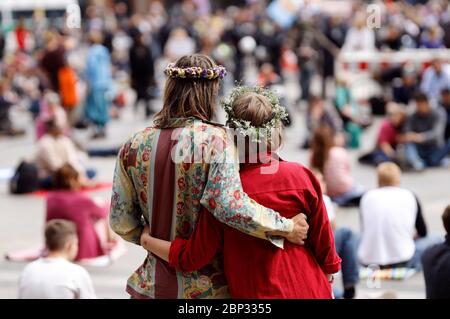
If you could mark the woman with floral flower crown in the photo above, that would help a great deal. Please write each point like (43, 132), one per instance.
(253, 267)
(167, 173)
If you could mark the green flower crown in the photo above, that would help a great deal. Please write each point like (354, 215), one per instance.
(245, 128)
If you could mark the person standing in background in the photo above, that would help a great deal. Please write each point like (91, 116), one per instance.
(99, 80)
(359, 37)
(307, 58)
(53, 59)
(2, 45)
(21, 34)
(152, 187)
(142, 71)
(179, 44)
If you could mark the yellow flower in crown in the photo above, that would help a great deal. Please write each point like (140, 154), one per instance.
(195, 72)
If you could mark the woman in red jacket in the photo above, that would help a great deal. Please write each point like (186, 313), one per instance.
(261, 270)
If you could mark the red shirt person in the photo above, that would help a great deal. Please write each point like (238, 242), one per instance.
(389, 134)
(261, 270)
(68, 202)
(21, 34)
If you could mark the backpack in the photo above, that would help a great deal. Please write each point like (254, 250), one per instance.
(25, 179)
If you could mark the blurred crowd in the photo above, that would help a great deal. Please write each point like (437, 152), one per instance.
(89, 68)
(71, 79)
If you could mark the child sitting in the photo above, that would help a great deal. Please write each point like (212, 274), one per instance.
(55, 276)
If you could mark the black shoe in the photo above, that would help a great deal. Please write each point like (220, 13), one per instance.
(349, 293)
(81, 125)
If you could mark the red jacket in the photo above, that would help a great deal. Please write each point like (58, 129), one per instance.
(261, 270)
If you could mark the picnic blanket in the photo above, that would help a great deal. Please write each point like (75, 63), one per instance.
(93, 188)
(401, 273)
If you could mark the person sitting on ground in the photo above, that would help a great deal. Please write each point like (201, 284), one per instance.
(404, 88)
(333, 162)
(389, 135)
(359, 37)
(393, 231)
(436, 265)
(54, 150)
(260, 271)
(6, 126)
(50, 109)
(435, 78)
(318, 114)
(351, 111)
(69, 203)
(55, 276)
(424, 135)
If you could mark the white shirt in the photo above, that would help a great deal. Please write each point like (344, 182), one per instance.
(388, 217)
(52, 153)
(432, 84)
(359, 40)
(55, 278)
(177, 47)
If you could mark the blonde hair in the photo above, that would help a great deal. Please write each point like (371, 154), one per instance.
(257, 109)
(389, 174)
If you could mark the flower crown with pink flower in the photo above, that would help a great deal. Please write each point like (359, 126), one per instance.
(195, 72)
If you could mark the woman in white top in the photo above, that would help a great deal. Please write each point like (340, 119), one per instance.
(333, 162)
(54, 150)
(360, 37)
(179, 44)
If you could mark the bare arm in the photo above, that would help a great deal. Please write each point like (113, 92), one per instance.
(192, 253)
(154, 245)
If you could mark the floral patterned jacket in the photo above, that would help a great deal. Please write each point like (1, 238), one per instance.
(163, 177)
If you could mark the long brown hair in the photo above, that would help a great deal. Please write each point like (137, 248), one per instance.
(321, 144)
(189, 97)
